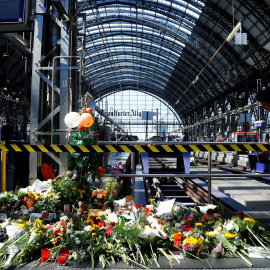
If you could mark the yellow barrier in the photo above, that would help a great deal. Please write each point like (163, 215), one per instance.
(150, 148)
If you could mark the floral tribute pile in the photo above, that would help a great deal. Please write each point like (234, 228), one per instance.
(99, 228)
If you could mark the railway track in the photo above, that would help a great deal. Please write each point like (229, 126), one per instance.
(186, 191)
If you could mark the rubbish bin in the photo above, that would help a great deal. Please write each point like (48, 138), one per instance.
(21, 167)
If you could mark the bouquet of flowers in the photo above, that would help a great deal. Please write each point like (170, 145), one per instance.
(191, 246)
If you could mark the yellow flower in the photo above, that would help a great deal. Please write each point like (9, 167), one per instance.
(200, 241)
(228, 235)
(210, 234)
(43, 234)
(198, 224)
(39, 222)
(249, 219)
(216, 223)
(191, 240)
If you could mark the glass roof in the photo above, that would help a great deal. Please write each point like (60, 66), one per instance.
(135, 42)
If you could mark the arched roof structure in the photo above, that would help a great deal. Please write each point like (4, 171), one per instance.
(162, 45)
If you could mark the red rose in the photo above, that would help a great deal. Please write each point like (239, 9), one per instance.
(101, 224)
(86, 187)
(137, 206)
(146, 209)
(108, 231)
(112, 224)
(45, 214)
(4, 208)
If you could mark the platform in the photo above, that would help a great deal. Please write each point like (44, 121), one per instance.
(207, 262)
(251, 193)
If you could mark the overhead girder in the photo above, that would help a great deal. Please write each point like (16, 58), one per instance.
(225, 22)
(96, 61)
(215, 63)
(161, 8)
(112, 34)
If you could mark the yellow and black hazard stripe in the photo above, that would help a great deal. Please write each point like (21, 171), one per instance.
(168, 148)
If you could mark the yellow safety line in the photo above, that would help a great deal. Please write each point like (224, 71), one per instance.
(248, 147)
(29, 148)
(235, 147)
(167, 148)
(56, 149)
(42, 148)
(111, 148)
(222, 147)
(262, 147)
(139, 148)
(16, 148)
(153, 149)
(3, 148)
(125, 148)
(97, 148)
(69, 148)
(208, 148)
(194, 148)
(181, 148)
(83, 148)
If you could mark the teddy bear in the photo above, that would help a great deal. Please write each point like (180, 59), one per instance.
(92, 218)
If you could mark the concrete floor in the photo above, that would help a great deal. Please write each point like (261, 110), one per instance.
(251, 193)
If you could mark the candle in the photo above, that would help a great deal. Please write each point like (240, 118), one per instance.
(64, 252)
(44, 254)
(62, 260)
(177, 240)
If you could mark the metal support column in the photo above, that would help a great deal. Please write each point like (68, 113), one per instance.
(40, 11)
(133, 168)
(209, 178)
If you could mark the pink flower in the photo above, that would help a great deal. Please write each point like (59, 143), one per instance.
(186, 247)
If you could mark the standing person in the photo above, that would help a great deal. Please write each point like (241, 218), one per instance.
(7, 131)
(16, 135)
(267, 138)
(113, 138)
(119, 135)
(220, 139)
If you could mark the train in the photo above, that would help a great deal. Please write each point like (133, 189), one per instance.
(242, 136)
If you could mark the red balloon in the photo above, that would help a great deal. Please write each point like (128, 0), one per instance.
(87, 120)
(80, 127)
(89, 110)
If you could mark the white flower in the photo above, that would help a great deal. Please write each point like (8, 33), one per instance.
(112, 217)
(87, 228)
(78, 242)
(74, 254)
(64, 218)
(229, 226)
(69, 231)
(76, 239)
(70, 257)
(72, 236)
(108, 211)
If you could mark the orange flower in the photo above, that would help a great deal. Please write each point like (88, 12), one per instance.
(103, 193)
(99, 196)
(94, 193)
(4, 208)
(190, 219)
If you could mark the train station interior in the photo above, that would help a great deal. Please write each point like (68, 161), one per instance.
(135, 133)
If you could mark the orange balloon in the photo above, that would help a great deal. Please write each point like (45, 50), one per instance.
(87, 120)
(80, 127)
(89, 110)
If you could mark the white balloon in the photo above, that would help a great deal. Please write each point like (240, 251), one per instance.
(72, 119)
